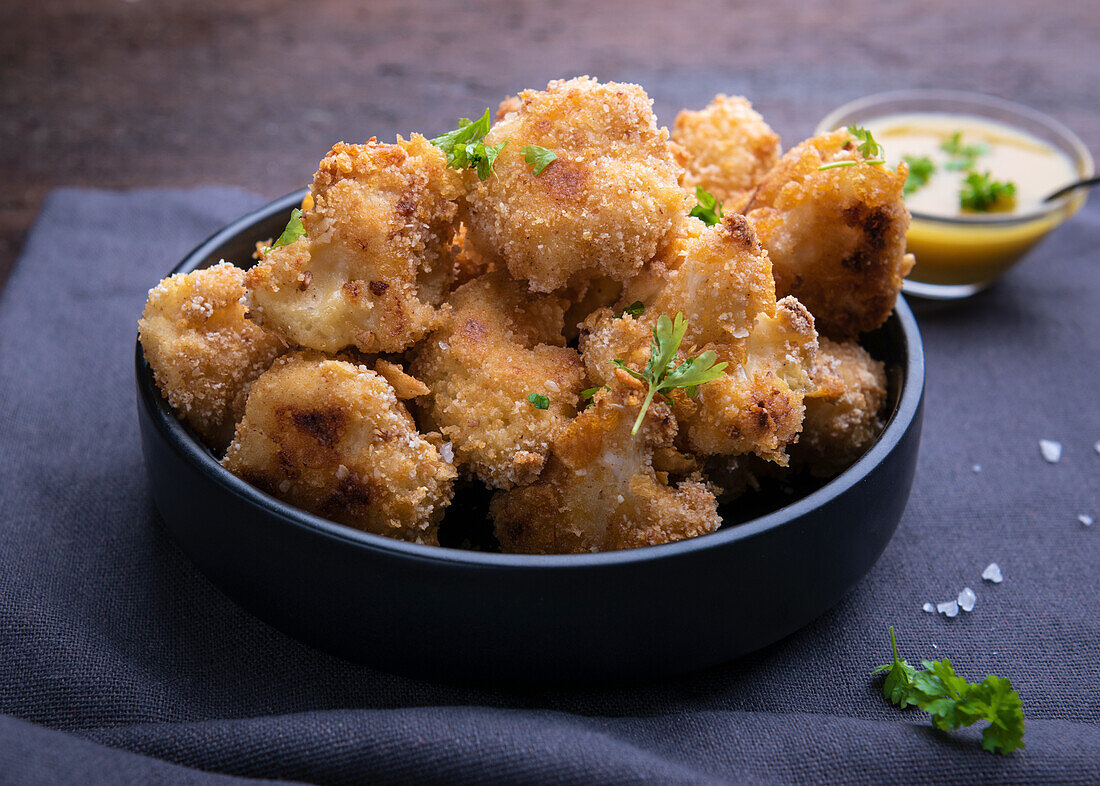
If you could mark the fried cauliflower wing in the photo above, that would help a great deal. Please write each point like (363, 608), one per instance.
(376, 261)
(723, 286)
(603, 206)
(842, 419)
(500, 344)
(600, 490)
(729, 147)
(203, 351)
(331, 437)
(836, 237)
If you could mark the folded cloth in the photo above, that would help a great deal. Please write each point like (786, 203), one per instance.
(120, 663)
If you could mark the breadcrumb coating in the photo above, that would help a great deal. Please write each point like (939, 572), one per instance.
(604, 205)
(376, 260)
(500, 344)
(600, 490)
(842, 421)
(203, 351)
(836, 237)
(729, 147)
(331, 437)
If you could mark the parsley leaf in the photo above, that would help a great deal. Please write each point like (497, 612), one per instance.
(708, 209)
(963, 157)
(921, 170)
(870, 149)
(635, 309)
(538, 157)
(465, 148)
(657, 374)
(589, 394)
(540, 401)
(982, 193)
(294, 231)
(953, 702)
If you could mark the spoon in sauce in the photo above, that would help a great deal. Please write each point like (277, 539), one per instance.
(1086, 183)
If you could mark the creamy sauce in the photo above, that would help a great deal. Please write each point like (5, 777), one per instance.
(1034, 166)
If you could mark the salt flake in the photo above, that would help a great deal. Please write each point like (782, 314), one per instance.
(1051, 450)
(1085, 519)
(929, 608)
(967, 599)
(976, 468)
(992, 573)
(949, 608)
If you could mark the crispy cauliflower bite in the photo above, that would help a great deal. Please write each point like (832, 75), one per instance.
(836, 237)
(203, 351)
(600, 490)
(604, 205)
(843, 419)
(331, 437)
(500, 344)
(724, 288)
(729, 146)
(376, 260)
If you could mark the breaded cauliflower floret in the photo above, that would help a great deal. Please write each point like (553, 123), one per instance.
(730, 148)
(600, 490)
(203, 351)
(499, 345)
(603, 206)
(836, 237)
(842, 420)
(331, 437)
(376, 260)
(724, 288)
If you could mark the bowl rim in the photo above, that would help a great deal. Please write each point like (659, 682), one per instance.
(1081, 155)
(197, 454)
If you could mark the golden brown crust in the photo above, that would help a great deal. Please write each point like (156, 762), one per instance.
(842, 420)
(500, 344)
(729, 148)
(376, 262)
(836, 237)
(331, 437)
(600, 490)
(604, 205)
(203, 350)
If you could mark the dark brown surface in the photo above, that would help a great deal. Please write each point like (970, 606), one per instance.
(119, 94)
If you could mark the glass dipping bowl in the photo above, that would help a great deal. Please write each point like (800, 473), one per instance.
(960, 256)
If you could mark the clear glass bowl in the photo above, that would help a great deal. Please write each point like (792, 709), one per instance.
(958, 257)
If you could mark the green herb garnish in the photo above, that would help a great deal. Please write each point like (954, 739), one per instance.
(465, 148)
(658, 374)
(294, 231)
(589, 394)
(538, 158)
(953, 702)
(982, 193)
(540, 401)
(709, 209)
(963, 157)
(635, 309)
(871, 150)
(920, 172)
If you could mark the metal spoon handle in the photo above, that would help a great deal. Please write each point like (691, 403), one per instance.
(1087, 183)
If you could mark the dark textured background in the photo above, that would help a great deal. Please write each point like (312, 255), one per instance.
(111, 643)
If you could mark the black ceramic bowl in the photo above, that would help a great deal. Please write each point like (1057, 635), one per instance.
(444, 613)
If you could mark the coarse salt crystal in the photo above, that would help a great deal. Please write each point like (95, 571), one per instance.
(929, 608)
(967, 599)
(935, 646)
(447, 451)
(976, 468)
(1096, 446)
(1085, 519)
(992, 573)
(949, 608)
(1051, 450)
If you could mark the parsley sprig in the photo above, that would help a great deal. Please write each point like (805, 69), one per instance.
(963, 157)
(294, 231)
(921, 170)
(466, 149)
(538, 400)
(538, 158)
(660, 376)
(871, 150)
(709, 209)
(635, 309)
(982, 193)
(953, 702)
